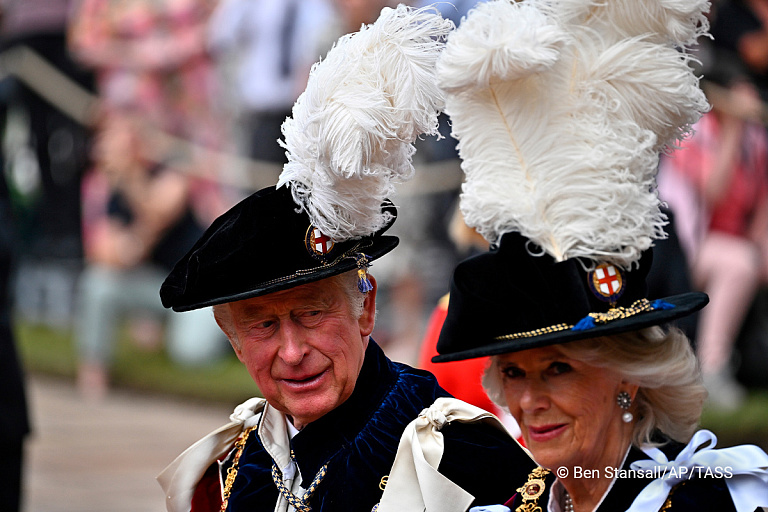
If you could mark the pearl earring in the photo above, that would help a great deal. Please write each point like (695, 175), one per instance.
(625, 401)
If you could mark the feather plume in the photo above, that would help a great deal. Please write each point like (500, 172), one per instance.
(560, 117)
(679, 22)
(350, 137)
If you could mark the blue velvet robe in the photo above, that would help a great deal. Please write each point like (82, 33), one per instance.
(359, 441)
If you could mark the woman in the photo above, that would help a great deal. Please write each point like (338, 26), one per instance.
(602, 409)
(561, 109)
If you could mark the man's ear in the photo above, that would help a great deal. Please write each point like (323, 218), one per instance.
(224, 322)
(368, 316)
(236, 348)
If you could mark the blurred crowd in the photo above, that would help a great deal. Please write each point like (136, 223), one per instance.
(127, 127)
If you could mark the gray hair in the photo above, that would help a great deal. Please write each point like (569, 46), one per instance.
(347, 282)
(662, 363)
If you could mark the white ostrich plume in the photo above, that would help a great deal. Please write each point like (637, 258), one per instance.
(561, 108)
(350, 137)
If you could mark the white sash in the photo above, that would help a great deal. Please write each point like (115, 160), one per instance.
(414, 483)
(180, 478)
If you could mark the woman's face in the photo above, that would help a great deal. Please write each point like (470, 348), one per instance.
(566, 409)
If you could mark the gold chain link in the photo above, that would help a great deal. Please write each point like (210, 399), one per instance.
(232, 471)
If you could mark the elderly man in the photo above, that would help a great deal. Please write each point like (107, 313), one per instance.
(326, 433)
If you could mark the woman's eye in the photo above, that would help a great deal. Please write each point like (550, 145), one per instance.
(513, 371)
(558, 368)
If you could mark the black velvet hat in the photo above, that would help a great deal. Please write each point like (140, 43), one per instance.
(262, 245)
(508, 300)
(561, 110)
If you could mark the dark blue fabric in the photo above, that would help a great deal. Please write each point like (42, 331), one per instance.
(359, 441)
(696, 494)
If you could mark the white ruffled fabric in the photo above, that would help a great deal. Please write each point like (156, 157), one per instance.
(180, 478)
(747, 464)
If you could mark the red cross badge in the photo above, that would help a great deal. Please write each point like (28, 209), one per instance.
(318, 245)
(607, 282)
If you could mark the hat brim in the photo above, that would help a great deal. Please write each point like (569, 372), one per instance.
(380, 246)
(684, 304)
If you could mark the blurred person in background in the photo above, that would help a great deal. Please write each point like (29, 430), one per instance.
(265, 50)
(46, 154)
(137, 222)
(739, 29)
(14, 419)
(150, 58)
(717, 182)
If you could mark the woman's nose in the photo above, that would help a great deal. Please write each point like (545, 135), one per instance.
(534, 397)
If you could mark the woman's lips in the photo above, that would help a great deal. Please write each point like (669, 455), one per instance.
(542, 433)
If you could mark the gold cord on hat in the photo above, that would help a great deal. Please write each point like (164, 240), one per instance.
(592, 319)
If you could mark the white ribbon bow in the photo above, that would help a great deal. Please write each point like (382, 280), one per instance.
(414, 483)
(180, 478)
(744, 468)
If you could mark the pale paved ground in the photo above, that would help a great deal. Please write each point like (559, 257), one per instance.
(86, 457)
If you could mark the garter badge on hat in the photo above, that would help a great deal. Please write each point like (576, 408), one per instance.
(318, 245)
(606, 282)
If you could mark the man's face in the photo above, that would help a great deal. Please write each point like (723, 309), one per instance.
(304, 347)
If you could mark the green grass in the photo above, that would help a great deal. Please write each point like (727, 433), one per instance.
(747, 425)
(51, 351)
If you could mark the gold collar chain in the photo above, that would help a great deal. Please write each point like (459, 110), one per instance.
(532, 490)
(300, 504)
(232, 471)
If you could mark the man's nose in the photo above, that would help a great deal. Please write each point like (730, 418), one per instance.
(294, 347)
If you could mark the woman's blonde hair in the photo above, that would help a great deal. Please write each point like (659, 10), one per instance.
(662, 363)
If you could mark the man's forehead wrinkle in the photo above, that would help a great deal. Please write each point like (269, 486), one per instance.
(295, 299)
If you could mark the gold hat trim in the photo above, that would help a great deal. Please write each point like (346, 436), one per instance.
(639, 306)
